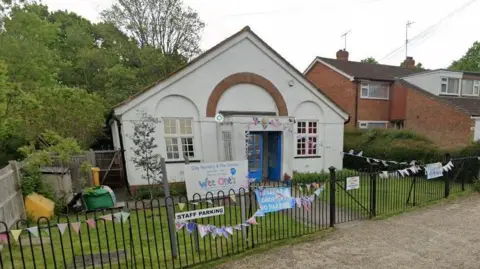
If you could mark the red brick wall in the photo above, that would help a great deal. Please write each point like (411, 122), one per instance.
(374, 110)
(443, 124)
(336, 86)
(398, 97)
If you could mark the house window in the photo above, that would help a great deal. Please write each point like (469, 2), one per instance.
(179, 138)
(470, 87)
(227, 146)
(374, 90)
(450, 86)
(307, 135)
(373, 124)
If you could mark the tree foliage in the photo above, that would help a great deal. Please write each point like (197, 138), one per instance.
(470, 61)
(59, 71)
(369, 60)
(163, 24)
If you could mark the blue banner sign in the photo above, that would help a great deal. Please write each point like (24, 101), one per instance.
(274, 199)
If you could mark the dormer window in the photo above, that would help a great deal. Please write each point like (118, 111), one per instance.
(450, 86)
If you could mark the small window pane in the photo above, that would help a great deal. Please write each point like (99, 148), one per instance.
(312, 127)
(185, 126)
(377, 125)
(364, 92)
(170, 126)
(187, 147)
(467, 87)
(444, 88)
(172, 148)
(301, 127)
(453, 85)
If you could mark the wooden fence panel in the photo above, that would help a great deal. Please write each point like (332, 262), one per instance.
(12, 206)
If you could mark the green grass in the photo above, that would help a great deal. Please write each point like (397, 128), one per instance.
(147, 232)
(392, 194)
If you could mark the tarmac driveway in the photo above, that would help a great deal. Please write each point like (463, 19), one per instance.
(440, 236)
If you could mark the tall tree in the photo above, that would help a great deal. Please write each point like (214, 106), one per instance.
(163, 24)
(369, 60)
(470, 61)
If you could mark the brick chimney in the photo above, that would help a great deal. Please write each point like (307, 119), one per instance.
(342, 55)
(409, 63)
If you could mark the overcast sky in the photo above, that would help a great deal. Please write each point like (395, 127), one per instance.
(302, 29)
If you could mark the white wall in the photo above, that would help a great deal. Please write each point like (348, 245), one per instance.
(115, 136)
(476, 135)
(431, 81)
(188, 97)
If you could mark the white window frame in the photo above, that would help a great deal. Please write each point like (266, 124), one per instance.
(179, 137)
(476, 84)
(308, 136)
(362, 124)
(227, 145)
(442, 82)
(366, 85)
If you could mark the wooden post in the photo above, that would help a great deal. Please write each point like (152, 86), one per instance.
(169, 203)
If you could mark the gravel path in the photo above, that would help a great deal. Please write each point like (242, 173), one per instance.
(439, 236)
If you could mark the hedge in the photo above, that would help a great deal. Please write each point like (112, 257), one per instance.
(397, 145)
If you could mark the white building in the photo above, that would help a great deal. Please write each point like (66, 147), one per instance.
(290, 124)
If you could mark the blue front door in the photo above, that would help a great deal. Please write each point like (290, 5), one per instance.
(255, 156)
(274, 156)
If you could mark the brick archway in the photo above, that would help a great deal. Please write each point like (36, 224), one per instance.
(248, 78)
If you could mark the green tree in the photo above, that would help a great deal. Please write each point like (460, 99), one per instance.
(369, 60)
(470, 61)
(163, 24)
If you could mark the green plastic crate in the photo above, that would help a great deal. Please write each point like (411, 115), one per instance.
(97, 198)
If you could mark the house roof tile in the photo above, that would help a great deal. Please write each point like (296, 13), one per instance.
(369, 71)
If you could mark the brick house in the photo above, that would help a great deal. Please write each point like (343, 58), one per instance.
(441, 104)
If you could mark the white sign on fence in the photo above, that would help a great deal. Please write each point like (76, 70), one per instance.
(434, 170)
(202, 178)
(353, 183)
(201, 213)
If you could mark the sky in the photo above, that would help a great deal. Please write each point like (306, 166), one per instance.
(300, 30)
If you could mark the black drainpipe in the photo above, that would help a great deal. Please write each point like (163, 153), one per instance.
(122, 151)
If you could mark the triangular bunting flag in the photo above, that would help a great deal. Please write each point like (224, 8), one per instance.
(202, 230)
(308, 187)
(319, 191)
(413, 162)
(238, 227)
(368, 160)
(3, 237)
(179, 225)
(394, 162)
(91, 223)
(190, 227)
(385, 174)
(125, 216)
(401, 172)
(450, 164)
(405, 171)
(252, 220)
(117, 217)
(360, 154)
(181, 206)
(108, 217)
(62, 227)
(194, 203)
(314, 185)
(312, 197)
(16, 234)
(445, 169)
(213, 231)
(259, 213)
(209, 202)
(385, 163)
(33, 230)
(233, 198)
(351, 152)
(300, 188)
(298, 201)
(75, 226)
(376, 160)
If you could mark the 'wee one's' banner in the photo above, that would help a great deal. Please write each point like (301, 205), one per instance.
(274, 199)
(204, 178)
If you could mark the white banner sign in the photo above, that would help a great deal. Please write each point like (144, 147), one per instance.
(434, 170)
(353, 183)
(203, 178)
(197, 214)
